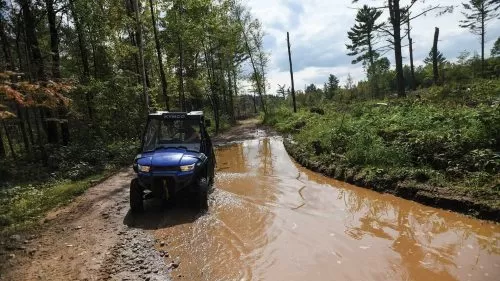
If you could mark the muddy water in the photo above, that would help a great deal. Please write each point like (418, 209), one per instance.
(270, 219)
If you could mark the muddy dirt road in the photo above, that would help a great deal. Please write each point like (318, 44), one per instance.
(269, 219)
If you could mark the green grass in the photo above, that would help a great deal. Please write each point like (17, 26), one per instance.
(449, 137)
(21, 207)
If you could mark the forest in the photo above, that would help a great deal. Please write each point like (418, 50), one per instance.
(78, 78)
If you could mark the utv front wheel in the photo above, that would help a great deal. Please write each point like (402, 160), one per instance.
(136, 197)
(203, 195)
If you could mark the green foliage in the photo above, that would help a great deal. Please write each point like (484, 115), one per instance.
(21, 206)
(448, 136)
(495, 50)
(440, 58)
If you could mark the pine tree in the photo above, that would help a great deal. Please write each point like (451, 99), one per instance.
(477, 13)
(440, 58)
(362, 35)
(495, 51)
(331, 86)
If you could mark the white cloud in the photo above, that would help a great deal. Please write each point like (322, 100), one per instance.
(318, 30)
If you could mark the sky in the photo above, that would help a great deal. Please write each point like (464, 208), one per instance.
(318, 34)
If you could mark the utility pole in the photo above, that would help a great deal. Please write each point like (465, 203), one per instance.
(291, 71)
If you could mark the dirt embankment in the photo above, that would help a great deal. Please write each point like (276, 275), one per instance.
(412, 190)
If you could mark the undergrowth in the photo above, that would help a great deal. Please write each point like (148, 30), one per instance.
(447, 136)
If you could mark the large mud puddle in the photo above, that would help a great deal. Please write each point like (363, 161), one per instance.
(270, 219)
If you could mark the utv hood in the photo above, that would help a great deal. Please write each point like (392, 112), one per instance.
(169, 157)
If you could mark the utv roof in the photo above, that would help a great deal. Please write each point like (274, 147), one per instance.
(192, 113)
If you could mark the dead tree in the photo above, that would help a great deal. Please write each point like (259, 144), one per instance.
(435, 56)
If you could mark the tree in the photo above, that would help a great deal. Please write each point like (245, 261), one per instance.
(331, 86)
(399, 15)
(349, 85)
(163, 78)
(311, 88)
(477, 14)
(440, 58)
(54, 38)
(495, 51)
(245, 22)
(291, 71)
(281, 91)
(362, 35)
(32, 40)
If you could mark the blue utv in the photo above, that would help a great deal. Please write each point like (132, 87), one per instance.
(177, 154)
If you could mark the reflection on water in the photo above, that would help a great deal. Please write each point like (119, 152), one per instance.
(271, 219)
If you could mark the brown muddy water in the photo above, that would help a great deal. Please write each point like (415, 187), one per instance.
(271, 219)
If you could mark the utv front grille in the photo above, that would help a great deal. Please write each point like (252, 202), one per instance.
(164, 169)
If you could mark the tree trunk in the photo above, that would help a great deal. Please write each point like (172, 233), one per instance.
(18, 47)
(9, 140)
(482, 40)
(6, 47)
(32, 40)
(412, 66)
(94, 56)
(146, 72)
(372, 72)
(256, 73)
(395, 17)
(30, 131)
(54, 39)
(51, 123)
(84, 56)
(65, 132)
(235, 90)
(38, 119)
(213, 95)
(23, 129)
(254, 104)
(163, 78)
(141, 52)
(26, 49)
(435, 70)
(132, 38)
(291, 72)
(231, 101)
(181, 73)
(2, 148)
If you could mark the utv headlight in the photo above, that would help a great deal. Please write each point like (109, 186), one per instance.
(187, 168)
(144, 169)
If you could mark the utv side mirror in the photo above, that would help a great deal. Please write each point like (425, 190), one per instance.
(208, 123)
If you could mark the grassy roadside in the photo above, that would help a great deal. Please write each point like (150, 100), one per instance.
(29, 190)
(441, 148)
(21, 207)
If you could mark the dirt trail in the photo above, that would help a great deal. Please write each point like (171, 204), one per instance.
(87, 240)
(269, 219)
(95, 237)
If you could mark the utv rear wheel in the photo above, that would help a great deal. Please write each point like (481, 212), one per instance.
(136, 197)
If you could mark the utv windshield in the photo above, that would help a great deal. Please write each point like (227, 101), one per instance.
(174, 133)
